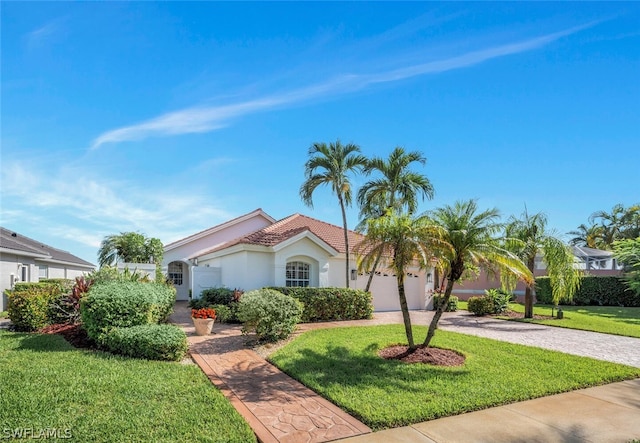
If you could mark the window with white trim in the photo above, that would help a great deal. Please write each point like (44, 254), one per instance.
(297, 274)
(175, 273)
(43, 271)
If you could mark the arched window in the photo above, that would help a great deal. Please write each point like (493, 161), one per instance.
(175, 273)
(297, 274)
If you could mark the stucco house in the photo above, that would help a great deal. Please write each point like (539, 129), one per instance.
(255, 250)
(26, 260)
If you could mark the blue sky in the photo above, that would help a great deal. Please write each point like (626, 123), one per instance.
(167, 118)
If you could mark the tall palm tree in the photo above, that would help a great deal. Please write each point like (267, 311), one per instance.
(397, 189)
(331, 165)
(532, 231)
(403, 240)
(464, 238)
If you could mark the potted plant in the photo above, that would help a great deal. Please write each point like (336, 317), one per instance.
(203, 320)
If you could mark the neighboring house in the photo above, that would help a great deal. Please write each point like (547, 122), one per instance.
(23, 259)
(254, 251)
(590, 261)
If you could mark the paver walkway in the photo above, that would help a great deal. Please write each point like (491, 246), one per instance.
(280, 409)
(277, 407)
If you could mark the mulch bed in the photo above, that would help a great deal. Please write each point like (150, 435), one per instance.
(74, 334)
(430, 355)
(513, 314)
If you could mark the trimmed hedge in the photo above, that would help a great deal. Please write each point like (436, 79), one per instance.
(29, 306)
(271, 314)
(594, 290)
(153, 342)
(330, 304)
(452, 306)
(119, 304)
(480, 305)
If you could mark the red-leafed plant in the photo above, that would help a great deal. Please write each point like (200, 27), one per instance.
(203, 313)
(66, 309)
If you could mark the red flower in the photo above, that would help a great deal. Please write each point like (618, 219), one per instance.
(203, 313)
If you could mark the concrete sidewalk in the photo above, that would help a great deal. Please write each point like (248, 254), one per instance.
(602, 414)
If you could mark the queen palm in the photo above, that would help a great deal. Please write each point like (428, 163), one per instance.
(331, 165)
(532, 231)
(397, 189)
(463, 238)
(403, 240)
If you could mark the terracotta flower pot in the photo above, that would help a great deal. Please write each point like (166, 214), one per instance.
(203, 325)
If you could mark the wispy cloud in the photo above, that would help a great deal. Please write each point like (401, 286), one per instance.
(105, 207)
(200, 119)
(43, 34)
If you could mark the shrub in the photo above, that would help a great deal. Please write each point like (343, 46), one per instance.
(223, 313)
(153, 342)
(271, 314)
(452, 305)
(480, 305)
(499, 299)
(219, 297)
(29, 306)
(121, 304)
(330, 304)
(594, 290)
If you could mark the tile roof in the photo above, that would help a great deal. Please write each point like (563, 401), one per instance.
(20, 243)
(290, 227)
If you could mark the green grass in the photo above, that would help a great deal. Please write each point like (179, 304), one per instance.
(45, 383)
(342, 365)
(606, 319)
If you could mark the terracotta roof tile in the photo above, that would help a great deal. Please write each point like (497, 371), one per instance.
(290, 227)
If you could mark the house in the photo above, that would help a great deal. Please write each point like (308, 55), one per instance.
(255, 250)
(23, 259)
(590, 261)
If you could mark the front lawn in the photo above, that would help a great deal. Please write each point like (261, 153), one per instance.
(342, 365)
(46, 384)
(606, 319)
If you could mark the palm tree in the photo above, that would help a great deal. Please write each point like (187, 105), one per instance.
(404, 240)
(591, 236)
(532, 231)
(397, 189)
(331, 165)
(466, 238)
(129, 247)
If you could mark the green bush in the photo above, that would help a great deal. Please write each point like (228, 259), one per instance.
(452, 305)
(153, 342)
(121, 304)
(63, 284)
(480, 305)
(331, 304)
(29, 305)
(218, 297)
(594, 290)
(499, 299)
(223, 313)
(271, 314)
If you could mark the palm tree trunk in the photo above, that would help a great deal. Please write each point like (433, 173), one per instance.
(373, 270)
(346, 238)
(436, 318)
(528, 293)
(405, 310)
